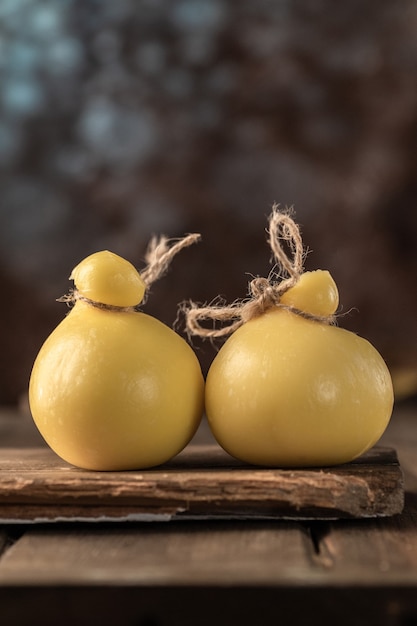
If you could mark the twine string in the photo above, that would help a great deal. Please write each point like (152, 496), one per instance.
(264, 293)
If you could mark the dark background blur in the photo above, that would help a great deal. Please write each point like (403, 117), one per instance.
(124, 118)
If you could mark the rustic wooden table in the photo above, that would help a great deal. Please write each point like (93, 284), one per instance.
(231, 572)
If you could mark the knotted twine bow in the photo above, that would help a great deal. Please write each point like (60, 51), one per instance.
(158, 257)
(265, 293)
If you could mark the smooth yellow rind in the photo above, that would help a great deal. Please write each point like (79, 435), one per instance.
(114, 391)
(286, 391)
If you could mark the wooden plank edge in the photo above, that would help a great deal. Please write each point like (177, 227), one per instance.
(16, 514)
(288, 494)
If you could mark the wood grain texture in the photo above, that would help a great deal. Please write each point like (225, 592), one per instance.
(201, 482)
(288, 554)
(381, 553)
(215, 553)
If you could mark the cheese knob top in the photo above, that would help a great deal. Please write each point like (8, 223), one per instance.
(315, 293)
(107, 278)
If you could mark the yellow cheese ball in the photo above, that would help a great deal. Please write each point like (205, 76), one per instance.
(292, 392)
(115, 390)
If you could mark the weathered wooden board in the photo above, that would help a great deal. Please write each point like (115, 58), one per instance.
(202, 482)
(177, 553)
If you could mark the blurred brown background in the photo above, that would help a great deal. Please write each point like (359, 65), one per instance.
(121, 119)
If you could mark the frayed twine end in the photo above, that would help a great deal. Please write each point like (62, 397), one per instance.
(160, 253)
